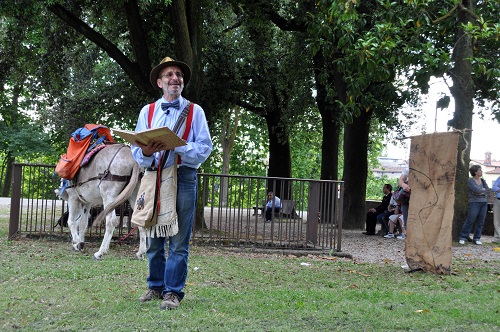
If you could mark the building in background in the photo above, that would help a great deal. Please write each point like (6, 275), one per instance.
(390, 167)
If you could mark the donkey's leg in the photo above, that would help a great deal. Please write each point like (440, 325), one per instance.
(111, 223)
(73, 217)
(142, 245)
(142, 231)
(76, 217)
(83, 224)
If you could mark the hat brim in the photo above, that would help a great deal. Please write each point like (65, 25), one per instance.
(154, 75)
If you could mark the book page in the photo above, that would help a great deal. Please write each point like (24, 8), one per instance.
(162, 134)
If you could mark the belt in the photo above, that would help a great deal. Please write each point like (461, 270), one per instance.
(151, 169)
(498, 197)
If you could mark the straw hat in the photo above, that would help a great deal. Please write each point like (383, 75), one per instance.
(167, 61)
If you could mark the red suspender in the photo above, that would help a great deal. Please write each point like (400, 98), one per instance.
(189, 120)
(150, 114)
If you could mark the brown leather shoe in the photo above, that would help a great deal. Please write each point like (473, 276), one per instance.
(151, 294)
(170, 301)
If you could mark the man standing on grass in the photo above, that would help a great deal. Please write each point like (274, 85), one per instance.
(167, 276)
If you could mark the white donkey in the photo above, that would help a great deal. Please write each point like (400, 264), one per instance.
(108, 180)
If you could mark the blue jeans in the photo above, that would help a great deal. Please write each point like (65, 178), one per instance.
(381, 218)
(170, 274)
(477, 212)
(404, 209)
(269, 212)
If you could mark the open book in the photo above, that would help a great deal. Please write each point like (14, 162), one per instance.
(161, 134)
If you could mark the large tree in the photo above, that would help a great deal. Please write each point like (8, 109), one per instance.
(262, 70)
(471, 31)
(381, 41)
(22, 139)
(354, 80)
(92, 60)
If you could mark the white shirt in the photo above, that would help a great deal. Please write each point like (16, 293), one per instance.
(277, 203)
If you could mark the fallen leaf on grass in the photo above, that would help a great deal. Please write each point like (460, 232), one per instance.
(331, 258)
(361, 274)
(422, 311)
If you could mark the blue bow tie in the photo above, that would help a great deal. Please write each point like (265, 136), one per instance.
(166, 106)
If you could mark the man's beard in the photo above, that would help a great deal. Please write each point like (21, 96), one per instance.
(172, 93)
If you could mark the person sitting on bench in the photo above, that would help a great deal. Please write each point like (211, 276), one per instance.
(393, 221)
(273, 205)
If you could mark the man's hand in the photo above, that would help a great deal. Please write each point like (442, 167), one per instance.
(152, 147)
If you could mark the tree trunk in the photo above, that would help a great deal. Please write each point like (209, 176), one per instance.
(280, 158)
(330, 146)
(8, 175)
(331, 127)
(463, 92)
(186, 23)
(355, 170)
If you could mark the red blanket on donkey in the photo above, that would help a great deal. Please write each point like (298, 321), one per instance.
(79, 143)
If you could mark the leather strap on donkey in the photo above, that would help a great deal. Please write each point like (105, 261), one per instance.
(107, 175)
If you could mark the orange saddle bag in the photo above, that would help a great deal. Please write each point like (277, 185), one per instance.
(80, 140)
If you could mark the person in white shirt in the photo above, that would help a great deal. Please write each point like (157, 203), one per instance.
(403, 183)
(273, 205)
(394, 219)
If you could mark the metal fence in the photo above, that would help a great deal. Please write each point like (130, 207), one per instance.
(229, 211)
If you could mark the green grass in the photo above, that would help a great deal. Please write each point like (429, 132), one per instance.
(47, 287)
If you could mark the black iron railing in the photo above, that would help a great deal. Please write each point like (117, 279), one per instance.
(229, 211)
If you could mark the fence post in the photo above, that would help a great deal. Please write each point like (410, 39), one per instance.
(15, 201)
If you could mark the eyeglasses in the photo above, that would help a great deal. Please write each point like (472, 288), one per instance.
(170, 74)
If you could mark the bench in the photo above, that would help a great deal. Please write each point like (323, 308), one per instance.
(287, 207)
(259, 209)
